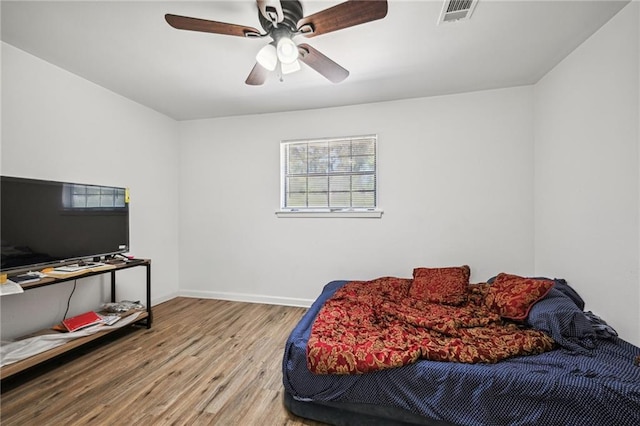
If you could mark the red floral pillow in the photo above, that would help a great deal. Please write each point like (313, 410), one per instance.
(512, 296)
(441, 285)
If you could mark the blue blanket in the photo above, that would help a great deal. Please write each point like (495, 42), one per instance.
(588, 380)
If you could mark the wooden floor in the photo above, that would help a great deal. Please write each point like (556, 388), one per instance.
(203, 362)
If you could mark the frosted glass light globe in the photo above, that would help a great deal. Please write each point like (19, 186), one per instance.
(267, 57)
(287, 50)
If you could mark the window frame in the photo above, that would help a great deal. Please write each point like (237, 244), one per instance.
(318, 212)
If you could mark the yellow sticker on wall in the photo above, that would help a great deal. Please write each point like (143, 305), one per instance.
(126, 195)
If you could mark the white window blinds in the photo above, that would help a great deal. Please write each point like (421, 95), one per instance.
(337, 174)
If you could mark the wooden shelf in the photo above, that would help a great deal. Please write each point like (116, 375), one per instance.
(19, 366)
(144, 317)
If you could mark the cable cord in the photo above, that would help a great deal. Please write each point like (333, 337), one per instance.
(69, 300)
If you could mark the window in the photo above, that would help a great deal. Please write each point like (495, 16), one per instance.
(329, 175)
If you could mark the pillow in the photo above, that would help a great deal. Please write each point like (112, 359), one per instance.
(440, 285)
(512, 296)
(561, 285)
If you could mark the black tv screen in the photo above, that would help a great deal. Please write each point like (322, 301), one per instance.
(46, 222)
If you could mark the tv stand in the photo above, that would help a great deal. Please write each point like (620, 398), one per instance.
(144, 318)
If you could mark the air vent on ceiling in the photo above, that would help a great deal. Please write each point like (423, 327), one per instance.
(455, 10)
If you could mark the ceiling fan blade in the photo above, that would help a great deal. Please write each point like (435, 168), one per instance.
(343, 15)
(257, 76)
(325, 66)
(205, 26)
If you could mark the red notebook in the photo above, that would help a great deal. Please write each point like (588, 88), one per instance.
(82, 321)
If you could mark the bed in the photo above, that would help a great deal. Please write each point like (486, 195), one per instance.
(588, 376)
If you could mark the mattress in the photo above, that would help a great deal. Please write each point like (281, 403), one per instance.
(590, 378)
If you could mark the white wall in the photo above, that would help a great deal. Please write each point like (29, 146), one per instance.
(58, 126)
(455, 184)
(587, 172)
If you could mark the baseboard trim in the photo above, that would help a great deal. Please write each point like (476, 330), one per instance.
(250, 298)
(163, 299)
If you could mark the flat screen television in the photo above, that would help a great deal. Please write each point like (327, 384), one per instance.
(46, 223)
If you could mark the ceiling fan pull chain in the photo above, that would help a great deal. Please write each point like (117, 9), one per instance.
(280, 73)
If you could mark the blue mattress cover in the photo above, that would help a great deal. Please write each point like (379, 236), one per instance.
(595, 386)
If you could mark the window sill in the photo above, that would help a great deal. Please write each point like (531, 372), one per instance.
(375, 214)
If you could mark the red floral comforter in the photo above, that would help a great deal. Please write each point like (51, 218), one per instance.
(374, 325)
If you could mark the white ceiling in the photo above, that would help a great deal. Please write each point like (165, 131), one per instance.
(127, 47)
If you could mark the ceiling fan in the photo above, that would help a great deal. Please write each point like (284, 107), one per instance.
(282, 20)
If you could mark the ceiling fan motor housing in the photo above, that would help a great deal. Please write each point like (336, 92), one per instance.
(292, 11)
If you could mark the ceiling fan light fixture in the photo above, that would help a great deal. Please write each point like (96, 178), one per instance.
(290, 68)
(287, 51)
(267, 57)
